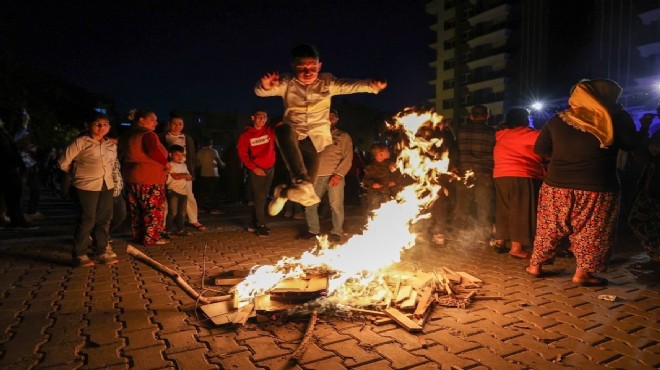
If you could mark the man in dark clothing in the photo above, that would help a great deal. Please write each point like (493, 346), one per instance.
(11, 167)
(476, 142)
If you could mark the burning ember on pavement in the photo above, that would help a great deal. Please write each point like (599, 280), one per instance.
(355, 268)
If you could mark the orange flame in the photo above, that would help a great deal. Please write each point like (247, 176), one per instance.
(387, 232)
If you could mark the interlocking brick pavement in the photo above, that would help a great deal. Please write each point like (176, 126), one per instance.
(125, 316)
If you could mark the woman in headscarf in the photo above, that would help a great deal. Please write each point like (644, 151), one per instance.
(90, 159)
(145, 170)
(579, 198)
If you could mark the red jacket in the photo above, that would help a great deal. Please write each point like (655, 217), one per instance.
(514, 153)
(256, 148)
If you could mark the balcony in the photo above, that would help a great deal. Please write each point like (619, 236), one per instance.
(499, 11)
(496, 61)
(490, 36)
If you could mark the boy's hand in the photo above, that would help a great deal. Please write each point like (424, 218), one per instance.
(376, 185)
(270, 80)
(259, 172)
(378, 85)
(646, 120)
(391, 183)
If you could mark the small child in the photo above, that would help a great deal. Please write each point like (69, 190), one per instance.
(379, 177)
(178, 182)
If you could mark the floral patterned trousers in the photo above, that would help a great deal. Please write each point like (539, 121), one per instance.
(146, 205)
(586, 218)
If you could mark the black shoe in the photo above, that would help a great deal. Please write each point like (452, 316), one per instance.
(307, 236)
(262, 230)
(334, 238)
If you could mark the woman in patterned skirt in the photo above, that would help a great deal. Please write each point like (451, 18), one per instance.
(579, 198)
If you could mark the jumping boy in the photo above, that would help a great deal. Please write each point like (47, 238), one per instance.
(305, 130)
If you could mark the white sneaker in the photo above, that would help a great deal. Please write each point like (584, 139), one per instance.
(303, 193)
(275, 206)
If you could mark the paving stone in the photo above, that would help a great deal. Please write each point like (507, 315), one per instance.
(409, 341)
(105, 356)
(327, 334)
(531, 360)
(312, 353)
(580, 361)
(398, 357)
(587, 337)
(103, 333)
(193, 360)
(222, 345)
(238, 361)
(265, 348)
(453, 343)
(61, 354)
(141, 338)
(444, 359)
(540, 322)
(352, 353)
(183, 341)
(487, 358)
(278, 363)
(135, 320)
(366, 336)
(499, 347)
(634, 341)
(597, 355)
(626, 362)
(148, 358)
(333, 363)
(546, 351)
(378, 365)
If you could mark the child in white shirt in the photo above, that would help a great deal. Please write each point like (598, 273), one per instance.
(178, 183)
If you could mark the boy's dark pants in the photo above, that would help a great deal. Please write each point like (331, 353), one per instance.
(176, 212)
(260, 190)
(94, 214)
(300, 156)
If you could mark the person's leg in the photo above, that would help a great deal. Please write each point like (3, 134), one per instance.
(135, 211)
(312, 212)
(87, 203)
(310, 157)
(593, 220)
(484, 198)
(102, 225)
(172, 210)
(552, 226)
(287, 142)
(260, 189)
(153, 203)
(191, 206)
(336, 200)
(118, 212)
(181, 210)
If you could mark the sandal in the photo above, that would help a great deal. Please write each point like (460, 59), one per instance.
(183, 233)
(199, 226)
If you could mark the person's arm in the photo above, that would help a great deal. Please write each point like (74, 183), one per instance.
(543, 145)
(346, 156)
(271, 84)
(70, 154)
(244, 153)
(150, 143)
(343, 86)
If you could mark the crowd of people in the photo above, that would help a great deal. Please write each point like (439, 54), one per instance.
(531, 192)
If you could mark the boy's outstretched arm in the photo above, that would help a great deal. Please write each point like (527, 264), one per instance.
(270, 80)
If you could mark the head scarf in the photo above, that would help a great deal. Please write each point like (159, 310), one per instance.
(590, 104)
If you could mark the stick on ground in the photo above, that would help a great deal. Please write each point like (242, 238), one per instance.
(192, 293)
(298, 353)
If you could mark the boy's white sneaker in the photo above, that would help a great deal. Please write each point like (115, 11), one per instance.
(303, 193)
(275, 206)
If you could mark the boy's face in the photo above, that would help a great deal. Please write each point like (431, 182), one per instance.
(259, 119)
(178, 157)
(306, 70)
(382, 155)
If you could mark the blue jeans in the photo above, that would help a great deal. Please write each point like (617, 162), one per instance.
(336, 200)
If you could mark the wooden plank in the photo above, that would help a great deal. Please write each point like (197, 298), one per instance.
(469, 277)
(486, 297)
(367, 312)
(228, 281)
(424, 302)
(219, 313)
(404, 293)
(243, 314)
(452, 275)
(422, 321)
(410, 302)
(403, 320)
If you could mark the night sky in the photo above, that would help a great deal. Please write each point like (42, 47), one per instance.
(197, 55)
